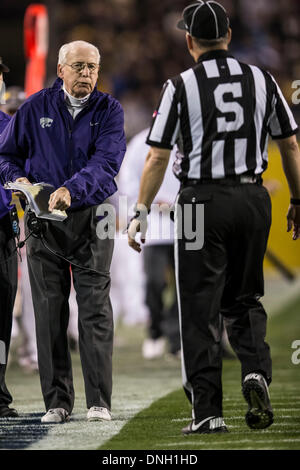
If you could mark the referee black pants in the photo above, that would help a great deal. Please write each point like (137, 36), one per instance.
(225, 275)
(8, 289)
(50, 279)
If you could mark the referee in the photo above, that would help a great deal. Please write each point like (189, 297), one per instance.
(220, 113)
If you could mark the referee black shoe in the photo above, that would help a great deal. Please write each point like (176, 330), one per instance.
(256, 394)
(209, 425)
(6, 412)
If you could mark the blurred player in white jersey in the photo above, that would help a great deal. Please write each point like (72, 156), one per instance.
(158, 254)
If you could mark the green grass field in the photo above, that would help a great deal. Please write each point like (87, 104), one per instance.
(149, 406)
(159, 426)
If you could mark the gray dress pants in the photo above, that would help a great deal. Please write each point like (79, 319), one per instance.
(50, 279)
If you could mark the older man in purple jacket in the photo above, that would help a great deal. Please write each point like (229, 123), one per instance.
(71, 136)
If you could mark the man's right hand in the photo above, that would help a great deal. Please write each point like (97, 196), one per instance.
(23, 180)
(133, 229)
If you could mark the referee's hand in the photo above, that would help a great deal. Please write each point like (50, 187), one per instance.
(293, 221)
(133, 228)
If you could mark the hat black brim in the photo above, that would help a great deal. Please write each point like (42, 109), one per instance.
(181, 25)
(4, 68)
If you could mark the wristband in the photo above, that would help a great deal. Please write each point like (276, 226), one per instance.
(140, 208)
(295, 202)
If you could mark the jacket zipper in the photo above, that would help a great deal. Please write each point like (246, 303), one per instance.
(71, 153)
(70, 132)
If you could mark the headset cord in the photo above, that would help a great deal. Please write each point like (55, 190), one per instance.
(37, 233)
(102, 273)
(16, 250)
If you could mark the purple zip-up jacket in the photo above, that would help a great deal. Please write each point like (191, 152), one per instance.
(5, 196)
(44, 143)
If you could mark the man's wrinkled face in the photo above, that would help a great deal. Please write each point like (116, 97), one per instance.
(80, 72)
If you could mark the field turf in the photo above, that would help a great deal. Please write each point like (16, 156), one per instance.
(159, 426)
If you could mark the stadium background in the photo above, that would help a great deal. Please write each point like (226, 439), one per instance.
(140, 48)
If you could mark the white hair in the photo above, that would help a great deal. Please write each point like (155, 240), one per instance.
(66, 48)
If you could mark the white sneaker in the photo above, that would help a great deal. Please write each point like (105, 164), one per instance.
(56, 415)
(153, 348)
(97, 413)
(28, 364)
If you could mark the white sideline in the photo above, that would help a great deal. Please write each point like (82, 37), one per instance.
(231, 442)
(130, 396)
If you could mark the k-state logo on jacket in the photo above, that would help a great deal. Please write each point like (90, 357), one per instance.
(46, 122)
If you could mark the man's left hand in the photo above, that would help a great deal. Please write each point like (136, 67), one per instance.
(293, 221)
(60, 199)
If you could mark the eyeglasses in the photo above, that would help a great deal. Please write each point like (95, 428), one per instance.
(80, 66)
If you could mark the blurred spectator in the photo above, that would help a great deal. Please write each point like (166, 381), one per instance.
(14, 97)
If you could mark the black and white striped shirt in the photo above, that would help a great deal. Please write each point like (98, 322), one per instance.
(220, 113)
